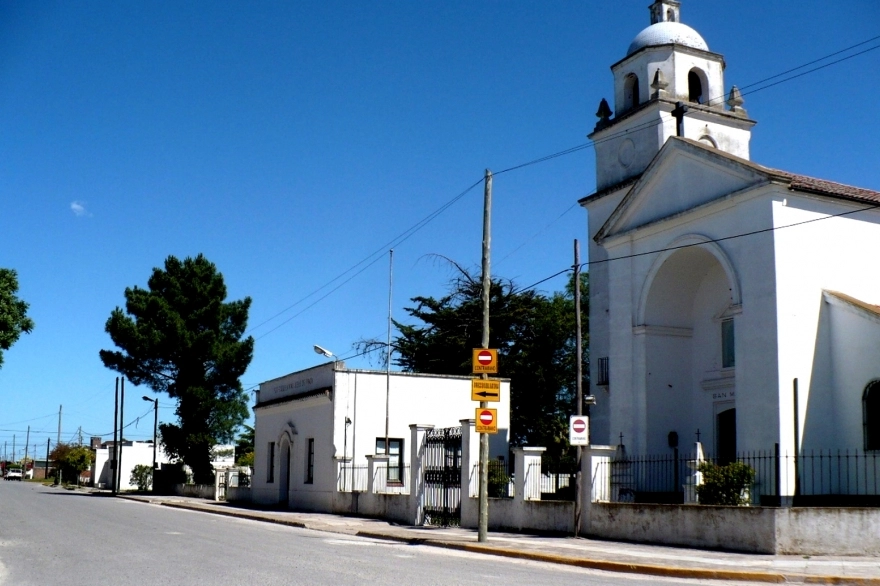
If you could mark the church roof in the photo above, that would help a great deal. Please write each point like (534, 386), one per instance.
(794, 181)
(869, 307)
(667, 33)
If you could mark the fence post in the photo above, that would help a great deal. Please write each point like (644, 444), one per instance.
(372, 461)
(417, 434)
(530, 470)
(470, 458)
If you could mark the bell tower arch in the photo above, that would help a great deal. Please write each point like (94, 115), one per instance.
(668, 62)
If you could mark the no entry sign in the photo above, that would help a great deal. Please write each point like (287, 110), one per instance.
(485, 360)
(487, 420)
(579, 430)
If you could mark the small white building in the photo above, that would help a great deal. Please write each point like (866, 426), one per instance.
(727, 299)
(315, 429)
(133, 453)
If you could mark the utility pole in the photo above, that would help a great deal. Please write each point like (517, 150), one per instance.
(388, 363)
(483, 522)
(114, 458)
(58, 439)
(46, 467)
(578, 503)
(121, 430)
(24, 462)
(13, 447)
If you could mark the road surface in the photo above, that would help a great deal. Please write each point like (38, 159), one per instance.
(55, 536)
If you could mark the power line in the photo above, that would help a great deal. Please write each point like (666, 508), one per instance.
(405, 235)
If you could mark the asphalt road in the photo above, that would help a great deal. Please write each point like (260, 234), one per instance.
(55, 536)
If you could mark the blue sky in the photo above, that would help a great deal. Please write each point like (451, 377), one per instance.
(288, 141)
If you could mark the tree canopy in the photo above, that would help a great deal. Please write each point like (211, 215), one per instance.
(71, 460)
(535, 338)
(13, 312)
(179, 336)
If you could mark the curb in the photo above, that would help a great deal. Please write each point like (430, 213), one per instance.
(619, 567)
(592, 564)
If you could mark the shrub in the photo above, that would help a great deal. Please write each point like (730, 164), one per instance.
(142, 476)
(725, 485)
(498, 480)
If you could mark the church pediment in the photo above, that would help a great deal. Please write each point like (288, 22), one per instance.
(684, 175)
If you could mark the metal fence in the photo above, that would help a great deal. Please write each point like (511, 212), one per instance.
(553, 484)
(382, 484)
(501, 480)
(351, 478)
(816, 477)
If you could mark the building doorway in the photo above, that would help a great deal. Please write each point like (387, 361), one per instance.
(725, 436)
(284, 477)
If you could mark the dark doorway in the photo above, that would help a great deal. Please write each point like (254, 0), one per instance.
(695, 88)
(284, 480)
(725, 425)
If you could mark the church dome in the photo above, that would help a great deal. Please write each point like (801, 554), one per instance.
(665, 33)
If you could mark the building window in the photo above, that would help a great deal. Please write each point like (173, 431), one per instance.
(395, 461)
(602, 375)
(695, 88)
(270, 464)
(631, 91)
(871, 414)
(728, 357)
(310, 461)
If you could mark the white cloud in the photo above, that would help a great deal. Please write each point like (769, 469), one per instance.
(79, 209)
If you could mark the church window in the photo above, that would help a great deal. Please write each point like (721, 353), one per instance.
(670, 15)
(728, 357)
(695, 87)
(871, 414)
(631, 91)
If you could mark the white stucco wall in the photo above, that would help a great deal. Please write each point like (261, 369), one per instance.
(824, 255)
(360, 396)
(133, 454)
(649, 351)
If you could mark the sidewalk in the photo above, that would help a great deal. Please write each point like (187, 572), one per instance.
(586, 553)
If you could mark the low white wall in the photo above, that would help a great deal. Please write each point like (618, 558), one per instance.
(828, 531)
(205, 491)
(516, 515)
(392, 507)
(796, 531)
(238, 494)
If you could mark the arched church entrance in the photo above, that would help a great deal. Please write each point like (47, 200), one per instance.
(688, 316)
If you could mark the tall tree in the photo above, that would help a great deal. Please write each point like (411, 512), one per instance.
(535, 337)
(181, 337)
(13, 312)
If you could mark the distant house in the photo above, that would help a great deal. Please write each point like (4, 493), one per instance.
(134, 453)
(316, 429)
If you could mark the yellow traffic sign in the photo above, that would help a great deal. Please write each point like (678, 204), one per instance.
(485, 390)
(487, 420)
(485, 360)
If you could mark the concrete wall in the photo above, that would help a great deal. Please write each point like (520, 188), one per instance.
(204, 491)
(802, 531)
(522, 515)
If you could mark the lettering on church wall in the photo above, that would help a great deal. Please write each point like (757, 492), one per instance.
(724, 395)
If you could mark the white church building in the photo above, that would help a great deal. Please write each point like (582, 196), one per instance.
(725, 296)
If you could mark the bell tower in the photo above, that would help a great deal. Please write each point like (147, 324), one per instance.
(668, 74)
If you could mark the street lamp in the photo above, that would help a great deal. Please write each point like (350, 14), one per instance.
(155, 424)
(324, 351)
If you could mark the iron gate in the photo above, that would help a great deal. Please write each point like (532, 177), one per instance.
(442, 466)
